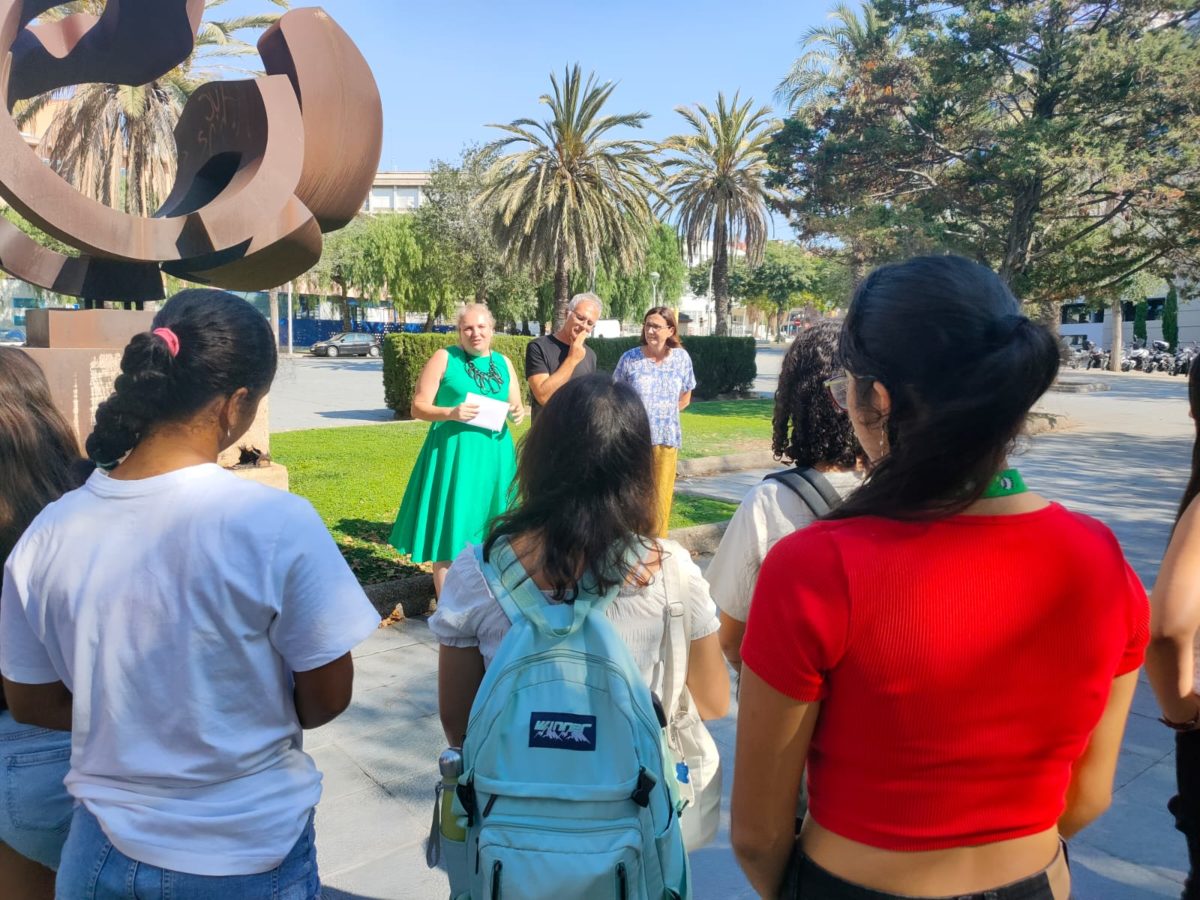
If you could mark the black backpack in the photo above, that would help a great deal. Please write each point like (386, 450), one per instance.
(810, 486)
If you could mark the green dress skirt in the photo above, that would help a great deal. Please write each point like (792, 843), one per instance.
(464, 475)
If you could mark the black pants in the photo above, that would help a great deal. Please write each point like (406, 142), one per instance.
(1185, 806)
(808, 881)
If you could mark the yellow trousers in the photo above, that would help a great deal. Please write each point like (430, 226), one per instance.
(665, 459)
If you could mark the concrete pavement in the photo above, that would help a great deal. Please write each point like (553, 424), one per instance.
(314, 392)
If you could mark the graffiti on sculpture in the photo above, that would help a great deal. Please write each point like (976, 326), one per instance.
(265, 165)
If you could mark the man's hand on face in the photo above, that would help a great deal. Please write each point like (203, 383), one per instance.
(577, 351)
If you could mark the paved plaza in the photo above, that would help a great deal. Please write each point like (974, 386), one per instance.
(1124, 460)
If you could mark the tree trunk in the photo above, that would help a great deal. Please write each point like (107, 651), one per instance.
(562, 289)
(1114, 355)
(1019, 239)
(273, 312)
(346, 325)
(720, 274)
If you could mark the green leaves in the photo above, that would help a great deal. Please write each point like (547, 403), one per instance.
(1056, 140)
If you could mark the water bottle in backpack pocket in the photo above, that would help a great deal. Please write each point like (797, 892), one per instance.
(565, 790)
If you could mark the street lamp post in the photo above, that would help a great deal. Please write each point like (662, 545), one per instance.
(654, 276)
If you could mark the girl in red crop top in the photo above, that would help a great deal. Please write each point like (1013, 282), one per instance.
(951, 655)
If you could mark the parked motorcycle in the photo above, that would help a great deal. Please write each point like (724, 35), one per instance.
(1161, 359)
(1184, 357)
(1135, 359)
(1097, 358)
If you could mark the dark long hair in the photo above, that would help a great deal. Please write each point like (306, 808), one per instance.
(585, 486)
(224, 344)
(39, 453)
(1193, 485)
(807, 429)
(945, 336)
(669, 315)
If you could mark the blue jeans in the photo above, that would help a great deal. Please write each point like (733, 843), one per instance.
(35, 808)
(93, 869)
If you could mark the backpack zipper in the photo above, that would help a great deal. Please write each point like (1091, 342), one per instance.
(496, 867)
(622, 882)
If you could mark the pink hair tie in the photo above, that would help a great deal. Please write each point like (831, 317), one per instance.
(170, 338)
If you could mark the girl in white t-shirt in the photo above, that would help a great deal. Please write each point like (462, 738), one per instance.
(809, 432)
(585, 501)
(184, 625)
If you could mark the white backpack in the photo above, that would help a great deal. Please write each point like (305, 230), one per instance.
(697, 761)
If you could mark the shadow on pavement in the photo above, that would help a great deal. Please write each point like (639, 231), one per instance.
(1130, 482)
(381, 415)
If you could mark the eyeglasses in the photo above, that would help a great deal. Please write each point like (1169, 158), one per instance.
(650, 327)
(839, 391)
(584, 320)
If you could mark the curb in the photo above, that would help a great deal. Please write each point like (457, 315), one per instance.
(734, 462)
(1079, 387)
(1044, 422)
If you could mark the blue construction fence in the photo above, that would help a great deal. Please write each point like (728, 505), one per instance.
(309, 331)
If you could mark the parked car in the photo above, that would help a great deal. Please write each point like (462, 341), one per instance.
(348, 343)
(12, 336)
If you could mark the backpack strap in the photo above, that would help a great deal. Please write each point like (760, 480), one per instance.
(519, 597)
(676, 632)
(810, 486)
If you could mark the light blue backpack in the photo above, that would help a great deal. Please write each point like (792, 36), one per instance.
(565, 790)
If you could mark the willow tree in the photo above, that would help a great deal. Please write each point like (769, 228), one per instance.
(572, 191)
(716, 186)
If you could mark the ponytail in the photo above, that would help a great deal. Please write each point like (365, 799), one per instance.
(962, 367)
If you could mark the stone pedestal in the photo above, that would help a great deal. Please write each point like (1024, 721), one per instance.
(80, 353)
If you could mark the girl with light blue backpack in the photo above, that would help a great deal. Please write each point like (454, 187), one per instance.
(553, 632)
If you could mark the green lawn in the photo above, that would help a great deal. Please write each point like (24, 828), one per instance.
(356, 476)
(720, 427)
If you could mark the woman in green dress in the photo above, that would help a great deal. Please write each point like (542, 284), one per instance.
(463, 476)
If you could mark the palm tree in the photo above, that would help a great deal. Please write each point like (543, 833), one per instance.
(572, 192)
(116, 143)
(716, 186)
(830, 53)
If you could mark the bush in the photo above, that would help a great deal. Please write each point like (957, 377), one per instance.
(404, 355)
(723, 365)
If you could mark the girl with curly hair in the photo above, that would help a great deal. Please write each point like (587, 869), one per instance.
(816, 437)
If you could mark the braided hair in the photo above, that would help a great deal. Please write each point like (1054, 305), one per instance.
(222, 344)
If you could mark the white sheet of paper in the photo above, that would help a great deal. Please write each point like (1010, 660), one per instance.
(491, 412)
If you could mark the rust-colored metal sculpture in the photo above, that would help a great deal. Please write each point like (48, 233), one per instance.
(266, 165)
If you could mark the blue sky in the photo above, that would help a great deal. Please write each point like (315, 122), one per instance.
(447, 68)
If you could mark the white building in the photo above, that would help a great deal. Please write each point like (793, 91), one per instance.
(396, 192)
(1096, 324)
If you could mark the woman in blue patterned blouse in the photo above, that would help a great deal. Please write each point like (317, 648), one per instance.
(660, 370)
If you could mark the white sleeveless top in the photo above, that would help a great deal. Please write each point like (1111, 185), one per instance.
(468, 615)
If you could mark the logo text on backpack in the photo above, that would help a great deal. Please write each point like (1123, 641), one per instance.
(562, 731)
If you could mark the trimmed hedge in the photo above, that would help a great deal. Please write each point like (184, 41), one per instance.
(404, 355)
(723, 365)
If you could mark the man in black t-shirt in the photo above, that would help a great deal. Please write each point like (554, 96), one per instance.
(554, 359)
